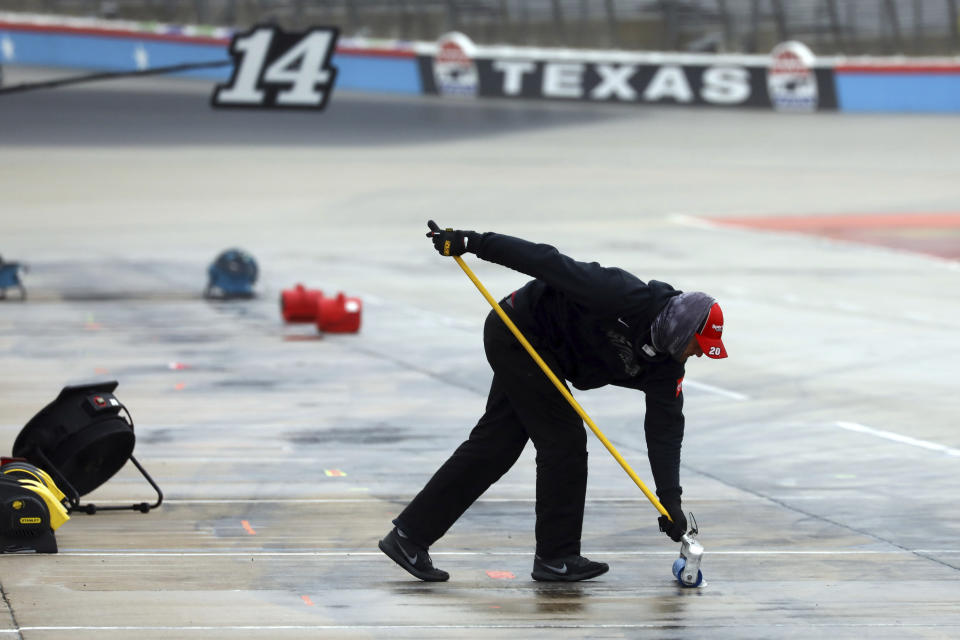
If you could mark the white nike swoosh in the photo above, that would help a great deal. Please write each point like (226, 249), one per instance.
(561, 569)
(411, 559)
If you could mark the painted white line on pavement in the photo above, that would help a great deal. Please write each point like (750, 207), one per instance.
(717, 390)
(291, 459)
(896, 437)
(685, 220)
(846, 306)
(346, 500)
(347, 553)
(519, 625)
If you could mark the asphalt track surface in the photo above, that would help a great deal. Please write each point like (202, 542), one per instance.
(820, 459)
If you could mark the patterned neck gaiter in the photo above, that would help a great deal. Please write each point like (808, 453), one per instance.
(674, 326)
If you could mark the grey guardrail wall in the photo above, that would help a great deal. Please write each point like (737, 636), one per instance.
(791, 78)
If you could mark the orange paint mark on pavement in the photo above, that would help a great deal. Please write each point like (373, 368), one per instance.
(335, 473)
(935, 234)
(852, 221)
(301, 338)
(307, 600)
(249, 529)
(501, 575)
(180, 386)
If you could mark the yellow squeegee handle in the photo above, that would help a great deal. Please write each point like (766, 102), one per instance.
(561, 388)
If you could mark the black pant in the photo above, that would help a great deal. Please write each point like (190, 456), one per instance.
(522, 404)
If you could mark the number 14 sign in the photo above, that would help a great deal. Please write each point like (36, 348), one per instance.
(275, 69)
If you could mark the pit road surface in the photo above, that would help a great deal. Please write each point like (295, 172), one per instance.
(821, 459)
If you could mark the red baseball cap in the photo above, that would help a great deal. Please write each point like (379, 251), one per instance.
(708, 336)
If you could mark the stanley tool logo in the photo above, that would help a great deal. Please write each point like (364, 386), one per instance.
(30, 521)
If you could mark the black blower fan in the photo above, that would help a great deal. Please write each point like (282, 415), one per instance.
(81, 439)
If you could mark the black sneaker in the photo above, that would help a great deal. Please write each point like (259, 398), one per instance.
(567, 569)
(411, 557)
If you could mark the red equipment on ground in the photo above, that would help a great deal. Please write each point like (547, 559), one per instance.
(299, 304)
(341, 314)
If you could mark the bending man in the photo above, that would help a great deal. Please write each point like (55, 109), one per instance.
(593, 326)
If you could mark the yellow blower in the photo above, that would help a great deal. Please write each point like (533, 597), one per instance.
(31, 509)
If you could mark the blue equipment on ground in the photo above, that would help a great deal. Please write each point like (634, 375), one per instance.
(232, 275)
(10, 277)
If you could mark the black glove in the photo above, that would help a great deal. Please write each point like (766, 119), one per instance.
(678, 527)
(450, 242)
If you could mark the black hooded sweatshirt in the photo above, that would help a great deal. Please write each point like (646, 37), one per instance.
(596, 321)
